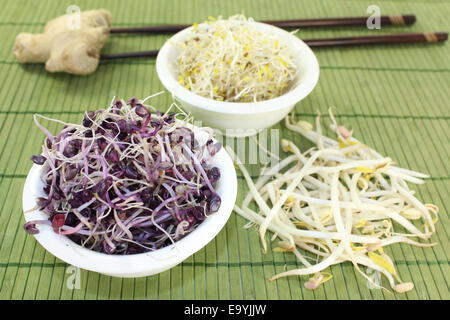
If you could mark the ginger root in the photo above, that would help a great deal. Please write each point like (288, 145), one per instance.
(65, 47)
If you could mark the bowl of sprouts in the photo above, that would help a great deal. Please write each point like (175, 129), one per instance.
(237, 75)
(130, 191)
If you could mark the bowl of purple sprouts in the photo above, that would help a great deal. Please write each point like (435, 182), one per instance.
(129, 192)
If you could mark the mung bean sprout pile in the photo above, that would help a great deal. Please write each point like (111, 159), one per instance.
(232, 60)
(338, 201)
(128, 180)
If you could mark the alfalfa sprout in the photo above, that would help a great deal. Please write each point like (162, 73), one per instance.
(233, 60)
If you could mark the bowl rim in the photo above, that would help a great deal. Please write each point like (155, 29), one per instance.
(294, 95)
(133, 265)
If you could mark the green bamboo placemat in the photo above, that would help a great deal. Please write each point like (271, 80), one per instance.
(395, 98)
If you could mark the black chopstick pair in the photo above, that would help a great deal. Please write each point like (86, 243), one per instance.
(402, 38)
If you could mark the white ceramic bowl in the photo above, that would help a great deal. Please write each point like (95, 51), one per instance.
(135, 265)
(236, 118)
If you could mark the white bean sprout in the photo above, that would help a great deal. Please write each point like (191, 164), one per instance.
(339, 201)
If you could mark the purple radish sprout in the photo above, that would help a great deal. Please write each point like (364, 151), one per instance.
(127, 180)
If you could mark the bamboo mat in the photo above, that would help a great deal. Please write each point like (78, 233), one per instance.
(395, 98)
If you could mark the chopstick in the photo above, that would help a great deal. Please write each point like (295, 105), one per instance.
(401, 38)
(406, 19)
(140, 54)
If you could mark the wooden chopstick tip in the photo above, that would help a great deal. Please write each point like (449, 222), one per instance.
(409, 18)
(442, 35)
